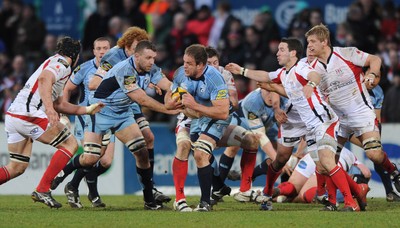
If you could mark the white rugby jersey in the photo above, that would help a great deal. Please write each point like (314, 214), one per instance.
(29, 98)
(342, 80)
(314, 110)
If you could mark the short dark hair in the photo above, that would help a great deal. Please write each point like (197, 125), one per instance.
(102, 38)
(198, 52)
(294, 45)
(68, 47)
(145, 44)
(211, 52)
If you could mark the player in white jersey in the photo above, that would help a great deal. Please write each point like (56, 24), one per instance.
(183, 142)
(342, 83)
(34, 115)
(299, 81)
(80, 80)
(301, 186)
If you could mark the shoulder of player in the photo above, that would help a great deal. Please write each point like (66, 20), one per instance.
(84, 66)
(179, 74)
(155, 70)
(213, 75)
(59, 61)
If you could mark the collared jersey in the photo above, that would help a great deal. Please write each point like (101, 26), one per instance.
(29, 96)
(123, 78)
(210, 86)
(313, 110)
(341, 80)
(81, 77)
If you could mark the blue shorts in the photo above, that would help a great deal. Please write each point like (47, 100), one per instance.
(106, 120)
(79, 126)
(213, 128)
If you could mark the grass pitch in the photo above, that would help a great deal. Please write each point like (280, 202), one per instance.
(127, 211)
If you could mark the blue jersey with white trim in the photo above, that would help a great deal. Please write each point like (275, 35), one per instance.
(110, 59)
(81, 77)
(210, 86)
(120, 80)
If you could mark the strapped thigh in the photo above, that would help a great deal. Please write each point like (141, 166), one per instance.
(63, 135)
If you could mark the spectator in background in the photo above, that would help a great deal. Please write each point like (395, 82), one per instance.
(394, 65)
(189, 9)
(270, 61)
(97, 24)
(221, 27)
(132, 13)
(179, 39)
(6, 12)
(315, 17)
(114, 29)
(11, 26)
(265, 23)
(234, 51)
(168, 16)
(160, 34)
(389, 23)
(298, 31)
(302, 18)
(365, 31)
(254, 49)
(202, 24)
(391, 103)
(49, 46)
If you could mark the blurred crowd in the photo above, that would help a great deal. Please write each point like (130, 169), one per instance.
(372, 26)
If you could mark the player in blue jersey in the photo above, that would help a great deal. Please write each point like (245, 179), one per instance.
(122, 85)
(207, 99)
(80, 80)
(124, 49)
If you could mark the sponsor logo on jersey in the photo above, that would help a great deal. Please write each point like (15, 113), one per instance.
(290, 140)
(311, 142)
(77, 69)
(129, 81)
(221, 94)
(251, 116)
(106, 66)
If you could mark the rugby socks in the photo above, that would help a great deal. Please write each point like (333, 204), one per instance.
(354, 188)
(71, 166)
(4, 175)
(179, 173)
(60, 158)
(78, 176)
(260, 169)
(205, 178)
(151, 159)
(387, 165)
(331, 189)
(309, 195)
(144, 176)
(225, 165)
(217, 183)
(287, 189)
(339, 179)
(92, 176)
(272, 175)
(320, 183)
(247, 163)
(385, 177)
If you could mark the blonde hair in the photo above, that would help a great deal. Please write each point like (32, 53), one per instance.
(321, 32)
(130, 35)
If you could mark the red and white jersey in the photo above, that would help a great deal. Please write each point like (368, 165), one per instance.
(28, 99)
(342, 81)
(313, 111)
(228, 78)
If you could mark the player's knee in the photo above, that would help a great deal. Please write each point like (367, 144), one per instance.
(202, 149)
(106, 139)
(106, 161)
(18, 164)
(375, 155)
(136, 145)
(250, 141)
(231, 151)
(63, 139)
(183, 148)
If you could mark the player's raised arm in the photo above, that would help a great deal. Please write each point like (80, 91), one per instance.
(258, 75)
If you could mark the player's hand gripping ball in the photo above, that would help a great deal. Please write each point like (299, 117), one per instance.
(178, 93)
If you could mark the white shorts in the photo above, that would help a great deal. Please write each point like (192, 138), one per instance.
(306, 166)
(358, 124)
(183, 123)
(23, 125)
(291, 132)
(323, 137)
